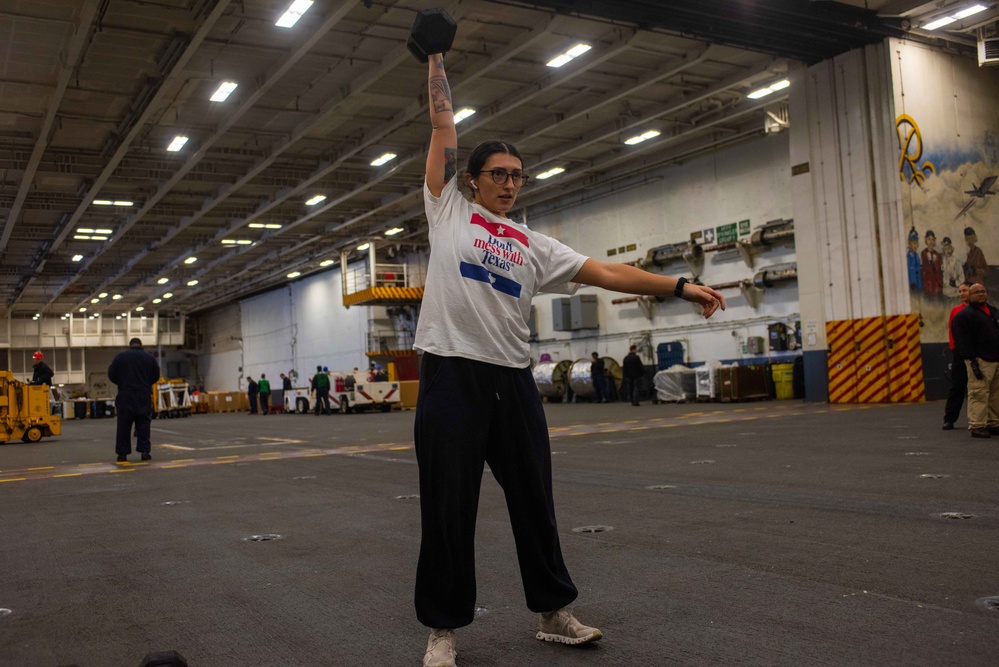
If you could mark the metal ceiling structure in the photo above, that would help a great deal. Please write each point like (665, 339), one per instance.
(92, 92)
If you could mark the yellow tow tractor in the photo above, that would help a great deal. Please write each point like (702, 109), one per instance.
(24, 411)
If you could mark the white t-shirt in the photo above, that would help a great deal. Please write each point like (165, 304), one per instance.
(484, 270)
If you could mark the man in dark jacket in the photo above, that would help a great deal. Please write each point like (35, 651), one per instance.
(42, 372)
(598, 377)
(321, 385)
(634, 371)
(135, 371)
(976, 339)
(252, 391)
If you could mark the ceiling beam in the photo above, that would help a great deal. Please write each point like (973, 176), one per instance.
(175, 74)
(276, 73)
(85, 26)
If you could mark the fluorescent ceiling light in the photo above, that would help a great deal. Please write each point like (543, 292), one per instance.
(139, 309)
(103, 231)
(116, 297)
(103, 202)
(192, 283)
(84, 230)
(763, 92)
(364, 246)
(272, 225)
(293, 13)
(162, 281)
(294, 274)
(462, 114)
(383, 159)
(939, 23)
(191, 260)
(81, 237)
(223, 91)
(256, 225)
(83, 310)
(94, 300)
(970, 11)
(326, 262)
(177, 143)
(572, 53)
(315, 200)
(264, 225)
(393, 231)
(554, 171)
(157, 300)
(102, 295)
(77, 258)
(98, 238)
(644, 136)
(237, 242)
(168, 295)
(123, 202)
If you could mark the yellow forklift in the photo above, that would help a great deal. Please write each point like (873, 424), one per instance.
(24, 411)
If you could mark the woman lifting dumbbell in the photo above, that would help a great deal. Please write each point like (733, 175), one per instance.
(478, 402)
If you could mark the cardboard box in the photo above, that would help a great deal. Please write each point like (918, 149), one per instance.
(408, 391)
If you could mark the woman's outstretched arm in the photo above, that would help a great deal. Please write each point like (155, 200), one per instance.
(628, 279)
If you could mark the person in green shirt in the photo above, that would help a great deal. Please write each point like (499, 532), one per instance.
(265, 394)
(321, 385)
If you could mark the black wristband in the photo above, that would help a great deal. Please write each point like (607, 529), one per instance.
(678, 290)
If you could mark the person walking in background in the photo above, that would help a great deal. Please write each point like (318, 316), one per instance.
(634, 371)
(958, 371)
(285, 382)
(976, 338)
(41, 372)
(252, 392)
(598, 376)
(321, 385)
(265, 394)
(478, 402)
(135, 371)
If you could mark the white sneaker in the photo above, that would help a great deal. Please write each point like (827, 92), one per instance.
(442, 649)
(561, 626)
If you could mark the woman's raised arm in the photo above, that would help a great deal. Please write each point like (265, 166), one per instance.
(442, 159)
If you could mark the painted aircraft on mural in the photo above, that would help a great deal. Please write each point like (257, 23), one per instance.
(978, 192)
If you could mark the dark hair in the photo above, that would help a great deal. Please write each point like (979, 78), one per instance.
(480, 154)
(968, 231)
(968, 283)
(135, 342)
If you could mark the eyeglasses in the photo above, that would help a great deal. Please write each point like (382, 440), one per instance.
(500, 177)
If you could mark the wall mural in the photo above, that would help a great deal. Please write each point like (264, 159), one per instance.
(950, 214)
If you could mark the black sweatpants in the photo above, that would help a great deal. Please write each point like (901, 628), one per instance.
(140, 413)
(958, 388)
(323, 401)
(470, 413)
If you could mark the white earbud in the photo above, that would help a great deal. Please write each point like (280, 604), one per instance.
(474, 186)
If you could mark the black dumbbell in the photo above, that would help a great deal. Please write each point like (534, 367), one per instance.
(433, 32)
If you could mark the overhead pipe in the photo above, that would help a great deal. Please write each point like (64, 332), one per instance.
(751, 288)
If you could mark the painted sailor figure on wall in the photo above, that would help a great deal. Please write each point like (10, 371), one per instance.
(912, 261)
(932, 266)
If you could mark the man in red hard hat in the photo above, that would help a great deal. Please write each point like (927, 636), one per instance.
(43, 373)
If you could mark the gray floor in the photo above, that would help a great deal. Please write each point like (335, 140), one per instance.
(786, 534)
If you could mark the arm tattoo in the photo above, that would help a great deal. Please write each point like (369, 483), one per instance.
(440, 94)
(450, 163)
